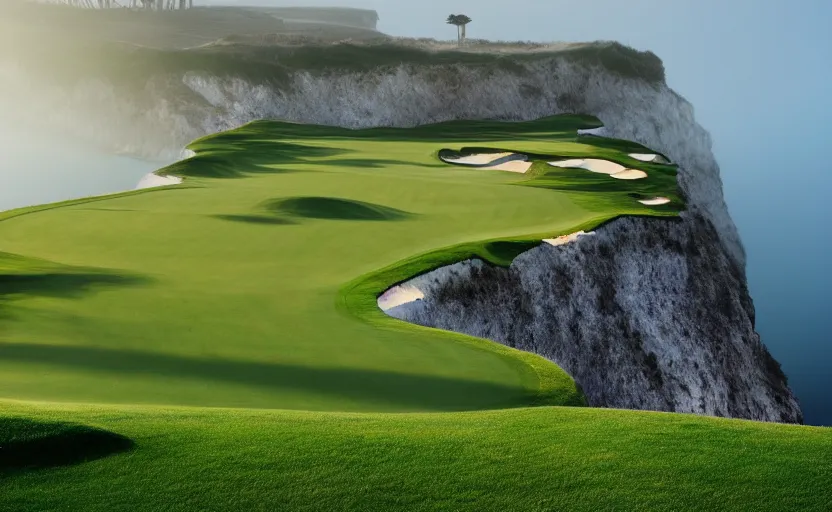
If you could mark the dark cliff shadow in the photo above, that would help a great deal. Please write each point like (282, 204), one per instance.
(405, 391)
(27, 444)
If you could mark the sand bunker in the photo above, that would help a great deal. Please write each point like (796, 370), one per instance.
(398, 295)
(511, 162)
(598, 132)
(615, 170)
(654, 201)
(513, 166)
(154, 180)
(591, 164)
(478, 159)
(629, 174)
(565, 239)
(650, 157)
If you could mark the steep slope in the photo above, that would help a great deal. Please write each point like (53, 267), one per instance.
(646, 314)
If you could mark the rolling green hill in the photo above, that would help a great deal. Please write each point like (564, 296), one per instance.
(227, 331)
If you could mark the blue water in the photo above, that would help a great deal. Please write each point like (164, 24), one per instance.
(36, 170)
(782, 216)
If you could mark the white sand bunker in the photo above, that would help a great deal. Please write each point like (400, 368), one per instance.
(477, 159)
(629, 174)
(650, 157)
(654, 201)
(565, 239)
(511, 162)
(591, 164)
(398, 295)
(512, 166)
(154, 180)
(598, 132)
(615, 170)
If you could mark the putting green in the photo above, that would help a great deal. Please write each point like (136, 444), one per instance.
(253, 284)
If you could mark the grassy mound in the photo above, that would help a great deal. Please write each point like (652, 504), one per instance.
(22, 276)
(334, 209)
(26, 444)
(537, 459)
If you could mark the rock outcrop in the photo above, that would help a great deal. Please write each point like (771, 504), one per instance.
(647, 314)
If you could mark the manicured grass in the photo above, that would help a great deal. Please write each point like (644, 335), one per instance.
(540, 459)
(27, 444)
(253, 284)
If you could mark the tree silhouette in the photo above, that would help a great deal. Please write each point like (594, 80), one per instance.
(460, 20)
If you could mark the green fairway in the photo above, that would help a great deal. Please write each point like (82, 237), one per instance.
(225, 291)
(226, 335)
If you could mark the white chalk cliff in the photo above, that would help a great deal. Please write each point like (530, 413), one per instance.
(647, 314)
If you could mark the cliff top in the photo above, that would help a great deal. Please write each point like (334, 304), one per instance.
(265, 39)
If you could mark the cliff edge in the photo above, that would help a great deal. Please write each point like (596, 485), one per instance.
(648, 314)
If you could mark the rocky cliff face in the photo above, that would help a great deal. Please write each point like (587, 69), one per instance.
(648, 314)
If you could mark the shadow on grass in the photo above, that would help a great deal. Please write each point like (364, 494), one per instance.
(63, 284)
(545, 128)
(30, 445)
(508, 250)
(236, 155)
(404, 391)
(231, 156)
(257, 219)
(373, 163)
(258, 147)
(332, 208)
(575, 180)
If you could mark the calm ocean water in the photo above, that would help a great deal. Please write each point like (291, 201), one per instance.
(779, 201)
(36, 171)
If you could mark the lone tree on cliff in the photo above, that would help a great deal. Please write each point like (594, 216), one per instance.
(460, 20)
